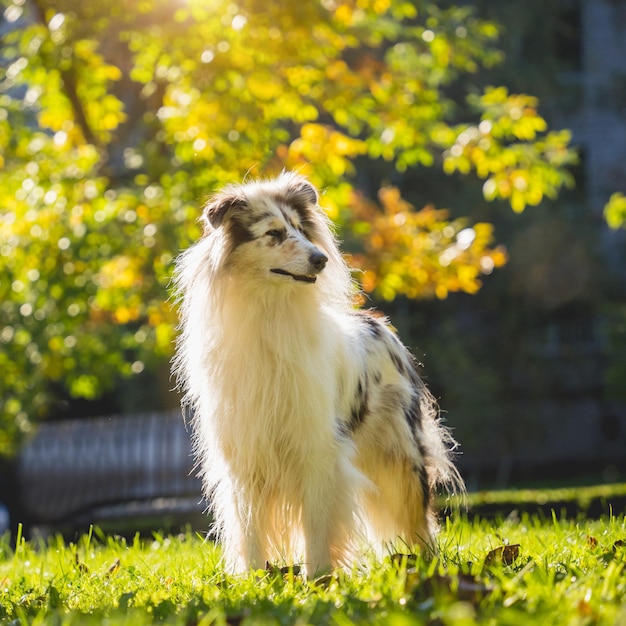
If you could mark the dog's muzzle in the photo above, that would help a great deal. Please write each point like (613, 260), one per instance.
(317, 261)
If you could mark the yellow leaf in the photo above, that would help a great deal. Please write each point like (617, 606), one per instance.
(499, 257)
(518, 202)
(343, 14)
(125, 314)
(110, 121)
(113, 72)
(441, 291)
(264, 86)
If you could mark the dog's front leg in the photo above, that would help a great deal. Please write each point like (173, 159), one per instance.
(316, 522)
(243, 547)
(328, 515)
(255, 555)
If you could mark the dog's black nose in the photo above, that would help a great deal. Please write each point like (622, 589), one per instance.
(318, 260)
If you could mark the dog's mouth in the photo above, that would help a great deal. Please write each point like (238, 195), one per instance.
(304, 278)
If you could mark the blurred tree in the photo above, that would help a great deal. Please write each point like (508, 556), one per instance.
(116, 118)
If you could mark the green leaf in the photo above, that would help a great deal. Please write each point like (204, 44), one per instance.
(615, 211)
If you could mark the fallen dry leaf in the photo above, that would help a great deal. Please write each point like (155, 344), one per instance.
(506, 555)
(398, 558)
(282, 571)
(113, 567)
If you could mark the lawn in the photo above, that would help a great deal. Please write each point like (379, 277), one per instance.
(530, 569)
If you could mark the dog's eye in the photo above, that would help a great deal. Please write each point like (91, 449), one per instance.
(276, 234)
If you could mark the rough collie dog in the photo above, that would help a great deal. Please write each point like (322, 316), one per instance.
(314, 434)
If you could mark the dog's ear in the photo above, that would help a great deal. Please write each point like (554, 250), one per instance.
(218, 208)
(300, 191)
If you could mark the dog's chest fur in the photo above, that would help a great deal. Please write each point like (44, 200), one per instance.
(290, 396)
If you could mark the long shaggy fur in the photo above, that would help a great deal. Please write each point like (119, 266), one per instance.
(314, 433)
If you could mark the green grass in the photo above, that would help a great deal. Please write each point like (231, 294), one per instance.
(582, 497)
(563, 572)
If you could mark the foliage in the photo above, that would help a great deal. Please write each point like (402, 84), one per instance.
(615, 211)
(506, 149)
(116, 120)
(526, 571)
(419, 253)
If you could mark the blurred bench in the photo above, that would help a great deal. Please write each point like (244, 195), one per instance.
(121, 473)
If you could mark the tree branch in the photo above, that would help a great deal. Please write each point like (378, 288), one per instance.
(69, 87)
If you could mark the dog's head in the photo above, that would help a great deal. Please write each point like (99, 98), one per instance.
(273, 229)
